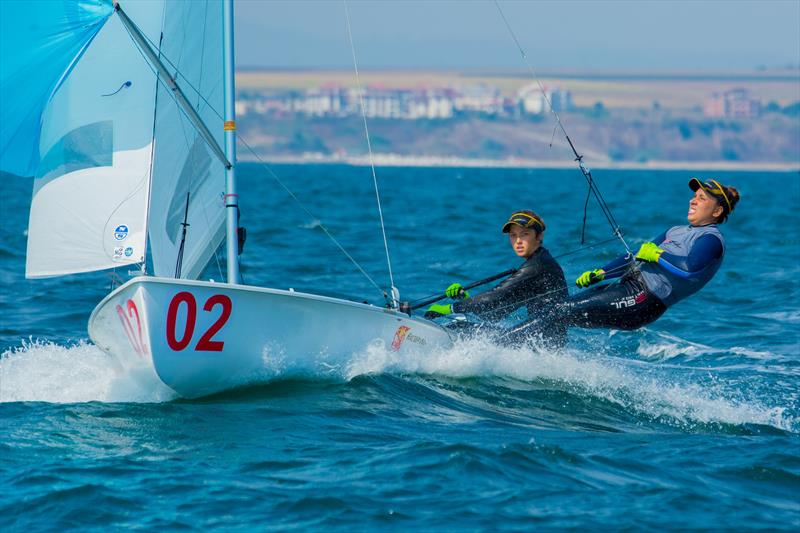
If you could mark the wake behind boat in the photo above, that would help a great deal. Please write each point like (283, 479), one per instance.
(124, 114)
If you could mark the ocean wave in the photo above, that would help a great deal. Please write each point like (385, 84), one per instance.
(669, 346)
(41, 371)
(788, 317)
(656, 346)
(47, 372)
(657, 396)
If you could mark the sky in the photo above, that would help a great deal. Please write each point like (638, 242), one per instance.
(642, 35)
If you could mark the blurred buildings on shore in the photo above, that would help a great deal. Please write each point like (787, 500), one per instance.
(445, 103)
(409, 104)
(736, 103)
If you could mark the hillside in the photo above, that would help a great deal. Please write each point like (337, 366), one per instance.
(602, 136)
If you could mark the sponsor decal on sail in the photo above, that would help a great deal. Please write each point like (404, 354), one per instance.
(120, 232)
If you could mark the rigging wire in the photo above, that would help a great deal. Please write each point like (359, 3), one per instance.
(186, 136)
(519, 303)
(536, 297)
(559, 256)
(394, 293)
(616, 230)
(274, 176)
(262, 163)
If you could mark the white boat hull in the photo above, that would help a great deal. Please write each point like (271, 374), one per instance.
(199, 338)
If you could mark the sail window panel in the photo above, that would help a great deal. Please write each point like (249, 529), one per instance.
(196, 171)
(87, 146)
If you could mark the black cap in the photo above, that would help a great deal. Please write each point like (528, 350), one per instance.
(716, 190)
(525, 219)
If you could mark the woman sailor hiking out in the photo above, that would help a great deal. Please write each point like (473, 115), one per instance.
(539, 283)
(678, 263)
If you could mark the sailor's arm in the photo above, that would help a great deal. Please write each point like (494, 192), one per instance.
(705, 250)
(615, 269)
(500, 300)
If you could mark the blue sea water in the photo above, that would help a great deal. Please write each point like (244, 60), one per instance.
(692, 422)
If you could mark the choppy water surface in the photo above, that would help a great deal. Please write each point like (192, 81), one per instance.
(692, 422)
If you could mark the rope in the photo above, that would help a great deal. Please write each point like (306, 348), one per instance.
(578, 158)
(394, 295)
(520, 303)
(565, 254)
(188, 83)
(126, 84)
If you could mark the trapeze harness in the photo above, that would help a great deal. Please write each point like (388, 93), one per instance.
(692, 255)
(538, 284)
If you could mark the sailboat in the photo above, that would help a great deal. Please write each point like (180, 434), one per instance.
(124, 114)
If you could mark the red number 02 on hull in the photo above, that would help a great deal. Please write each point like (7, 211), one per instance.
(206, 342)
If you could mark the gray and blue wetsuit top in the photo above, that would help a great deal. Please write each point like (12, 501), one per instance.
(692, 255)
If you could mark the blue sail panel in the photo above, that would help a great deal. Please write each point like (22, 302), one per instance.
(38, 47)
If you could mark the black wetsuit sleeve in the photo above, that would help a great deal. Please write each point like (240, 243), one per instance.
(706, 249)
(503, 299)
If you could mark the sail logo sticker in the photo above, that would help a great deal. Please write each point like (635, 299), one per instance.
(120, 232)
(129, 251)
(399, 337)
(118, 252)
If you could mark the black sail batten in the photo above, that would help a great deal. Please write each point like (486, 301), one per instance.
(185, 224)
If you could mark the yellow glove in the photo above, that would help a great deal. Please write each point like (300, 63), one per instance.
(437, 310)
(590, 278)
(649, 252)
(456, 292)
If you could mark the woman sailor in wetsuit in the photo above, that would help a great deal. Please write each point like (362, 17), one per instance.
(678, 263)
(538, 283)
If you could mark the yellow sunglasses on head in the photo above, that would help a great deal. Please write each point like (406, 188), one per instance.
(527, 221)
(718, 190)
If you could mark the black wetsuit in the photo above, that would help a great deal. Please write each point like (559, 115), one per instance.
(538, 284)
(626, 305)
(691, 257)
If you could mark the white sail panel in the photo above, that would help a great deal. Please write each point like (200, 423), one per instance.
(191, 46)
(90, 195)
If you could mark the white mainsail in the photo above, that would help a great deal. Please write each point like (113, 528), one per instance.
(184, 164)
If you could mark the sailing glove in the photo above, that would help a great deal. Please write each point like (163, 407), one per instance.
(456, 292)
(437, 310)
(590, 278)
(649, 252)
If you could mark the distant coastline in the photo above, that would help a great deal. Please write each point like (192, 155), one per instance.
(395, 160)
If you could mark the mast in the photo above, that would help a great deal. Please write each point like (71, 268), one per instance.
(231, 198)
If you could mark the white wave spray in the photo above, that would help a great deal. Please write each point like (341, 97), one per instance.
(634, 385)
(46, 372)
